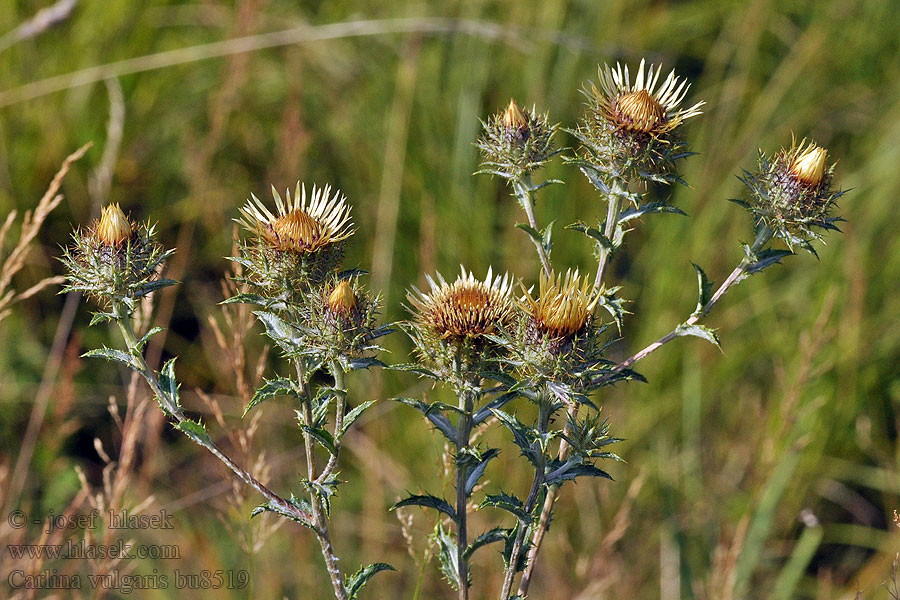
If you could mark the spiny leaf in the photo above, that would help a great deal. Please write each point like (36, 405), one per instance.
(766, 258)
(497, 534)
(100, 317)
(110, 354)
(647, 209)
(700, 331)
(705, 287)
(509, 503)
(354, 414)
(358, 580)
(194, 430)
(431, 412)
(447, 555)
(270, 389)
(322, 436)
(428, 501)
(477, 471)
(168, 383)
(365, 363)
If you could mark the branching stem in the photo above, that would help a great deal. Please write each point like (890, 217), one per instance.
(524, 193)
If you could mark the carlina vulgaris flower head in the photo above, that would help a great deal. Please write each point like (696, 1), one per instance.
(516, 142)
(299, 244)
(115, 258)
(792, 194)
(452, 322)
(558, 326)
(630, 126)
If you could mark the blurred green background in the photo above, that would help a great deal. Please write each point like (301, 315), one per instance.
(766, 472)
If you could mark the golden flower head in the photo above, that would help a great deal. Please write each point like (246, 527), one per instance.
(514, 117)
(113, 228)
(300, 226)
(465, 308)
(808, 163)
(342, 300)
(641, 107)
(563, 306)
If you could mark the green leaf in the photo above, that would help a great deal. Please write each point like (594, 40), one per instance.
(365, 363)
(705, 286)
(571, 469)
(447, 555)
(592, 232)
(647, 209)
(280, 331)
(509, 503)
(486, 411)
(359, 579)
(322, 436)
(523, 437)
(254, 299)
(353, 415)
(764, 259)
(194, 430)
(302, 505)
(497, 534)
(143, 341)
(700, 331)
(168, 383)
(433, 414)
(428, 501)
(475, 474)
(547, 238)
(270, 389)
(110, 354)
(101, 317)
(413, 368)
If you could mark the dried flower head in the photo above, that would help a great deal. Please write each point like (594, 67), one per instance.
(629, 130)
(564, 305)
(300, 226)
(465, 308)
(791, 193)
(297, 246)
(516, 142)
(115, 259)
(113, 227)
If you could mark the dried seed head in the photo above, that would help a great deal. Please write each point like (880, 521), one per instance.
(808, 164)
(514, 117)
(563, 306)
(466, 308)
(342, 300)
(299, 226)
(113, 228)
(641, 107)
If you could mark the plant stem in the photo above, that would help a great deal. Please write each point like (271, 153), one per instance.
(464, 431)
(321, 520)
(530, 502)
(614, 234)
(611, 229)
(522, 190)
(139, 364)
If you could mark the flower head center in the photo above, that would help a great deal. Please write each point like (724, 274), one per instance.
(639, 111)
(297, 231)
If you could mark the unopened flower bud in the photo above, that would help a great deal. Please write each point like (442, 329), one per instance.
(114, 228)
(342, 300)
(514, 117)
(639, 111)
(809, 166)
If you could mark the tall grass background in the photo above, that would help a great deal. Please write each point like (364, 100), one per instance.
(769, 471)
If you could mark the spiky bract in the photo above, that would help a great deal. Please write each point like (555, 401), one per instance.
(791, 193)
(115, 259)
(516, 142)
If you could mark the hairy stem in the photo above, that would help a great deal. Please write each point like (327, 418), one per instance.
(530, 502)
(464, 431)
(523, 192)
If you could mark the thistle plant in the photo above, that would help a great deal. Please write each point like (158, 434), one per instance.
(548, 346)
(323, 321)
